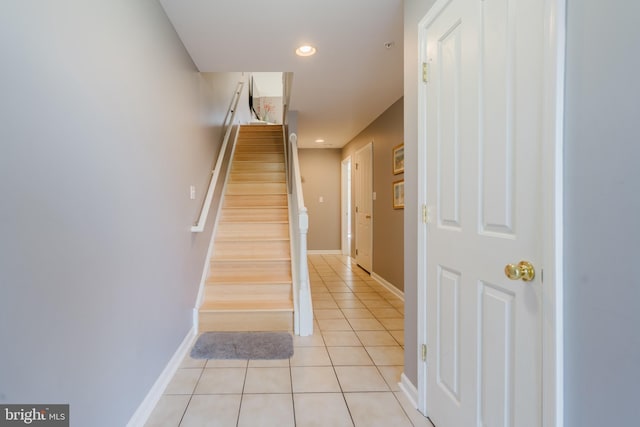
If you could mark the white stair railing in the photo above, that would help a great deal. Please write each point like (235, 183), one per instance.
(213, 182)
(299, 220)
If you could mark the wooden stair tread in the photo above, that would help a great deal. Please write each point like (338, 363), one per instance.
(265, 215)
(252, 230)
(228, 239)
(249, 221)
(256, 188)
(246, 239)
(252, 249)
(244, 221)
(244, 280)
(255, 200)
(240, 166)
(245, 288)
(234, 261)
(250, 176)
(230, 320)
(251, 271)
(253, 306)
(259, 148)
(247, 207)
(224, 273)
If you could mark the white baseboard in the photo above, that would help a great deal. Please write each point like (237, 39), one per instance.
(143, 412)
(409, 390)
(196, 321)
(325, 252)
(397, 292)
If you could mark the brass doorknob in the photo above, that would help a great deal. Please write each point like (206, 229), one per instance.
(523, 270)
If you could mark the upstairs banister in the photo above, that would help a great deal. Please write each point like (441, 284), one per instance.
(228, 127)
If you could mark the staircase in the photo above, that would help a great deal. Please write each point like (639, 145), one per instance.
(249, 286)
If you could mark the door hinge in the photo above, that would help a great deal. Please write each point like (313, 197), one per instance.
(356, 252)
(426, 214)
(425, 72)
(424, 352)
(356, 209)
(357, 165)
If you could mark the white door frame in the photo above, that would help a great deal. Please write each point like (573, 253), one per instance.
(552, 207)
(345, 175)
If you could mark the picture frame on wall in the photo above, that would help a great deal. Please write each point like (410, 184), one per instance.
(398, 159)
(398, 194)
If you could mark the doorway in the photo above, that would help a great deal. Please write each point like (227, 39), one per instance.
(489, 183)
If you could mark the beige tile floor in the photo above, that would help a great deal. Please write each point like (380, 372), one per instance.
(345, 374)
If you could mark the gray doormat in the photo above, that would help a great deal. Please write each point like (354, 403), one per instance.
(243, 345)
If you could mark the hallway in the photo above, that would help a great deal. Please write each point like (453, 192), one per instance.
(346, 374)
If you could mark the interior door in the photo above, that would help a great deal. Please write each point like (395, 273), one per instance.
(483, 124)
(363, 195)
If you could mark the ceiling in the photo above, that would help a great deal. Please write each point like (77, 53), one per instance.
(351, 80)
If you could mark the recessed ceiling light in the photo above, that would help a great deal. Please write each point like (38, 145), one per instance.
(305, 50)
(389, 45)
(319, 141)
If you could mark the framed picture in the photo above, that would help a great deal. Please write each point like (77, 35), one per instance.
(398, 194)
(398, 159)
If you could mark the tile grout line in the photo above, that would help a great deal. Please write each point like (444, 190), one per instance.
(244, 382)
(186, 408)
(293, 401)
(344, 398)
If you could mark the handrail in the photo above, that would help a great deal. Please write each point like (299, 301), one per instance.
(227, 125)
(287, 82)
(300, 226)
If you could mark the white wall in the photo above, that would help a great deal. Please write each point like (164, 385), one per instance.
(104, 124)
(320, 172)
(267, 84)
(602, 210)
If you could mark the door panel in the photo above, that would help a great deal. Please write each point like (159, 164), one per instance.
(496, 117)
(448, 362)
(448, 135)
(496, 348)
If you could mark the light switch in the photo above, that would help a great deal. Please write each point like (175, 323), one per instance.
(374, 195)
(192, 192)
(321, 199)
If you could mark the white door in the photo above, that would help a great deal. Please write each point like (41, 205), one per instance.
(482, 135)
(363, 194)
(345, 206)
